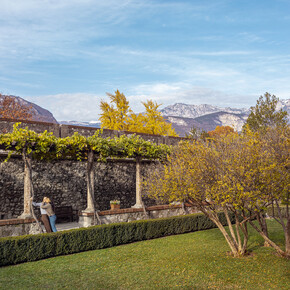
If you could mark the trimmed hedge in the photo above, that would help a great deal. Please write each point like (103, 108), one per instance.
(283, 209)
(14, 250)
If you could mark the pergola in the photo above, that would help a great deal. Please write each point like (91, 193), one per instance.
(45, 146)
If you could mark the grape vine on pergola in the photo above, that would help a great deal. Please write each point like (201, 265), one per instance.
(45, 146)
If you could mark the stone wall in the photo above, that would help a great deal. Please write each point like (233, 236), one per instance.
(6, 125)
(65, 183)
(134, 214)
(18, 227)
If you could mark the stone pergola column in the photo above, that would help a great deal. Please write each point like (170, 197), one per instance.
(27, 188)
(90, 215)
(90, 183)
(139, 203)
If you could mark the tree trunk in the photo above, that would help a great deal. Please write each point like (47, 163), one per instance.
(244, 229)
(214, 217)
(138, 184)
(145, 211)
(231, 228)
(238, 234)
(28, 191)
(229, 240)
(271, 243)
(246, 235)
(287, 230)
(32, 211)
(27, 187)
(287, 237)
(264, 228)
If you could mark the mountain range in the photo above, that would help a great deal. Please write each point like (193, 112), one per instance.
(182, 116)
(93, 124)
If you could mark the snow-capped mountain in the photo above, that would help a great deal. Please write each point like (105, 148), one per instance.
(207, 122)
(94, 124)
(285, 106)
(194, 111)
(183, 116)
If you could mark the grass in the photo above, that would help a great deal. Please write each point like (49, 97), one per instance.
(196, 260)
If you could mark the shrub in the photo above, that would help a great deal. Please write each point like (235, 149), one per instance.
(14, 250)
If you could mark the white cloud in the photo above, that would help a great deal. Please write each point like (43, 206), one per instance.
(68, 107)
(45, 43)
(168, 94)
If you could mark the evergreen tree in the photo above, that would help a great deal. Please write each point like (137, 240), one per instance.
(265, 115)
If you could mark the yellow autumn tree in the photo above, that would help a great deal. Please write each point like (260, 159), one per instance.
(117, 115)
(191, 176)
(153, 122)
(276, 195)
(232, 173)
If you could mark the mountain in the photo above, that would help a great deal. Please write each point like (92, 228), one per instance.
(285, 106)
(207, 122)
(194, 111)
(39, 114)
(94, 124)
(183, 116)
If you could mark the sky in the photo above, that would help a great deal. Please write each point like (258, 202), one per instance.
(65, 55)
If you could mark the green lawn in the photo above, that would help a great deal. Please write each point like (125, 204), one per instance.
(196, 260)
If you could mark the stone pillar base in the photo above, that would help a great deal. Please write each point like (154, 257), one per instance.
(88, 210)
(25, 216)
(86, 218)
(137, 205)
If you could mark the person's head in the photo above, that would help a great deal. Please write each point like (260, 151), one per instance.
(46, 199)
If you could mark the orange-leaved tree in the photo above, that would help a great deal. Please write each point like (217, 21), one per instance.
(221, 131)
(11, 108)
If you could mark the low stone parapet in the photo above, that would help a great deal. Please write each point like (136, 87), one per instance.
(18, 227)
(132, 214)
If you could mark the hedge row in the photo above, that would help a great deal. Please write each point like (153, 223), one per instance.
(283, 210)
(14, 250)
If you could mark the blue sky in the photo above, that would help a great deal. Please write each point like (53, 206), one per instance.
(64, 55)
